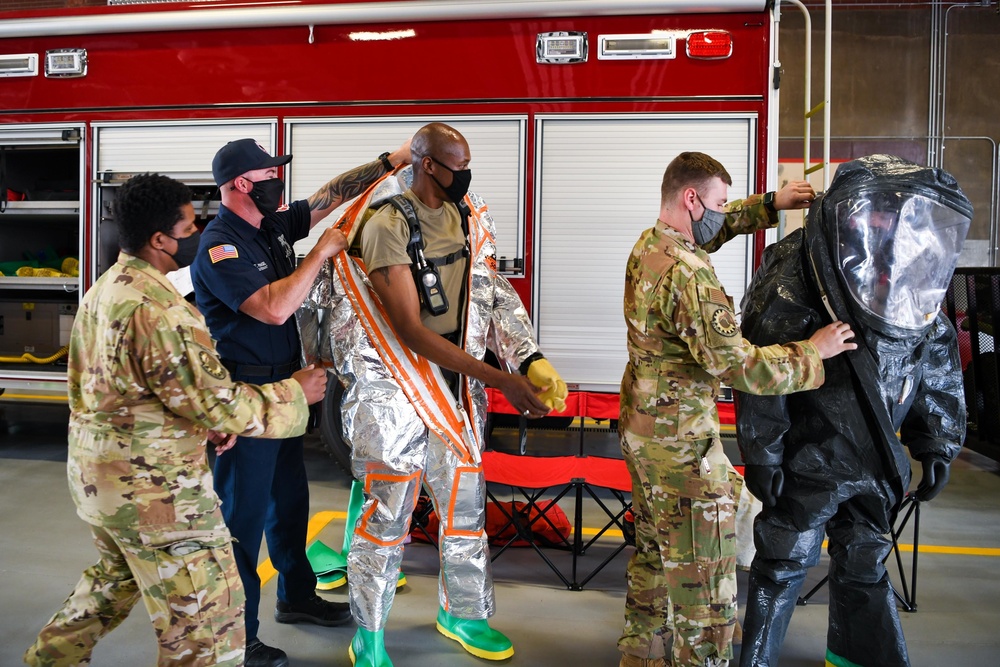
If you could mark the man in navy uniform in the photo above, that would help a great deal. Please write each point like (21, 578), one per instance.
(248, 287)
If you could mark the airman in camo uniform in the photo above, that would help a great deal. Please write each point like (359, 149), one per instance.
(145, 388)
(683, 339)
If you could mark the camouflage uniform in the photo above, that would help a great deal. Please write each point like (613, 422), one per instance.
(683, 339)
(145, 384)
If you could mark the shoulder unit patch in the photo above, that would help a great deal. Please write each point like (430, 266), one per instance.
(724, 323)
(211, 365)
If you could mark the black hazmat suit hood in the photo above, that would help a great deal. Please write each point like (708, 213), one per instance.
(892, 232)
(877, 251)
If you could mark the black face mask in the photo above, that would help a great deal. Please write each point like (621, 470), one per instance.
(460, 180)
(187, 249)
(267, 194)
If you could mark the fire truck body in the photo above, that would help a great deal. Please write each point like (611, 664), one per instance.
(571, 110)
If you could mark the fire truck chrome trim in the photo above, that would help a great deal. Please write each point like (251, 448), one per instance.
(359, 12)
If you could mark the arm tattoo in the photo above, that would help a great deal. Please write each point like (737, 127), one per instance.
(346, 186)
(384, 272)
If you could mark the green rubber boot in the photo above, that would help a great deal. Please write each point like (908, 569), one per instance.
(354, 506)
(367, 649)
(475, 636)
(329, 566)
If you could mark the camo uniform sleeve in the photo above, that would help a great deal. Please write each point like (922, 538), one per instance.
(184, 371)
(705, 321)
(743, 216)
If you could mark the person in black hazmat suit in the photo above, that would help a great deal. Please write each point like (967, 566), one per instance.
(877, 251)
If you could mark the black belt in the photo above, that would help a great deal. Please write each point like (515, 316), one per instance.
(261, 371)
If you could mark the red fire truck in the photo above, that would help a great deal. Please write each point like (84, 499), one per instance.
(572, 109)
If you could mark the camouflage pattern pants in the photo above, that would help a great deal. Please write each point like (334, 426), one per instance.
(191, 590)
(681, 600)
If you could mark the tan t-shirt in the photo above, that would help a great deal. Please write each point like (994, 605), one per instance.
(383, 243)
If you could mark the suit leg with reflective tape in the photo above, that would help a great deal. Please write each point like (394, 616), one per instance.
(458, 488)
(391, 471)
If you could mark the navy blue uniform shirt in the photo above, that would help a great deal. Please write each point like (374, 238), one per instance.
(235, 259)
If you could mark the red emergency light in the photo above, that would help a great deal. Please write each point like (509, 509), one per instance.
(709, 44)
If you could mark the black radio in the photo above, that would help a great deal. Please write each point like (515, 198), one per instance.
(431, 292)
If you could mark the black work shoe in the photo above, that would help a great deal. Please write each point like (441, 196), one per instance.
(313, 610)
(259, 654)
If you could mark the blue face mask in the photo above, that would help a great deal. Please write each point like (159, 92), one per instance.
(708, 227)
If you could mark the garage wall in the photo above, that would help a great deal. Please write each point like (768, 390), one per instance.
(883, 59)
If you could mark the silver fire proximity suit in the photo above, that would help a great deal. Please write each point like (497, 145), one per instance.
(404, 425)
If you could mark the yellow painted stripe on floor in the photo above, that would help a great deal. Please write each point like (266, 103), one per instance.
(924, 548)
(955, 551)
(32, 397)
(320, 520)
(317, 523)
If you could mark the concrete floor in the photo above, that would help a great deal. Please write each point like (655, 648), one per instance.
(44, 547)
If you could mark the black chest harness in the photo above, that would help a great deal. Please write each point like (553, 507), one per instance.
(425, 270)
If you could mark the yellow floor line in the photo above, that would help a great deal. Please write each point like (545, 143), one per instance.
(320, 520)
(317, 523)
(924, 548)
(32, 397)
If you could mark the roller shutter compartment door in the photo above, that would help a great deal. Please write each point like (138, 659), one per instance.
(325, 148)
(598, 189)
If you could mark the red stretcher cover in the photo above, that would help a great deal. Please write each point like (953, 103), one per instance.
(595, 405)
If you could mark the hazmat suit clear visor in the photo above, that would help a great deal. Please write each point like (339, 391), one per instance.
(896, 252)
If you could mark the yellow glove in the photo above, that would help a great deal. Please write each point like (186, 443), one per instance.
(554, 392)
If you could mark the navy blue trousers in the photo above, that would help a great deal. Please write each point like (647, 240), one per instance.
(264, 492)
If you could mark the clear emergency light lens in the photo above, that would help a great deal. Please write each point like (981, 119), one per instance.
(65, 62)
(709, 44)
(559, 48)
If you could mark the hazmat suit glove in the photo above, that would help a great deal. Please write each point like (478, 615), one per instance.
(544, 376)
(936, 472)
(765, 482)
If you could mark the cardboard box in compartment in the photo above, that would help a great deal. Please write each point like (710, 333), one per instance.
(36, 327)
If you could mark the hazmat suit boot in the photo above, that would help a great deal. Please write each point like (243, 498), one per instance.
(769, 610)
(329, 566)
(864, 627)
(367, 649)
(632, 661)
(476, 636)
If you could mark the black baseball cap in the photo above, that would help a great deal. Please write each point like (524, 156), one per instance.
(240, 156)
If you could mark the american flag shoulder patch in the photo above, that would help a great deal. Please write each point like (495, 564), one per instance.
(221, 252)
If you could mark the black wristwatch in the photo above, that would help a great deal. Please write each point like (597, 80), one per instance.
(384, 159)
(768, 201)
(523, 368)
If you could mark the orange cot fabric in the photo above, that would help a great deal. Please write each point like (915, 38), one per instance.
(595, 405)
(538, 472)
